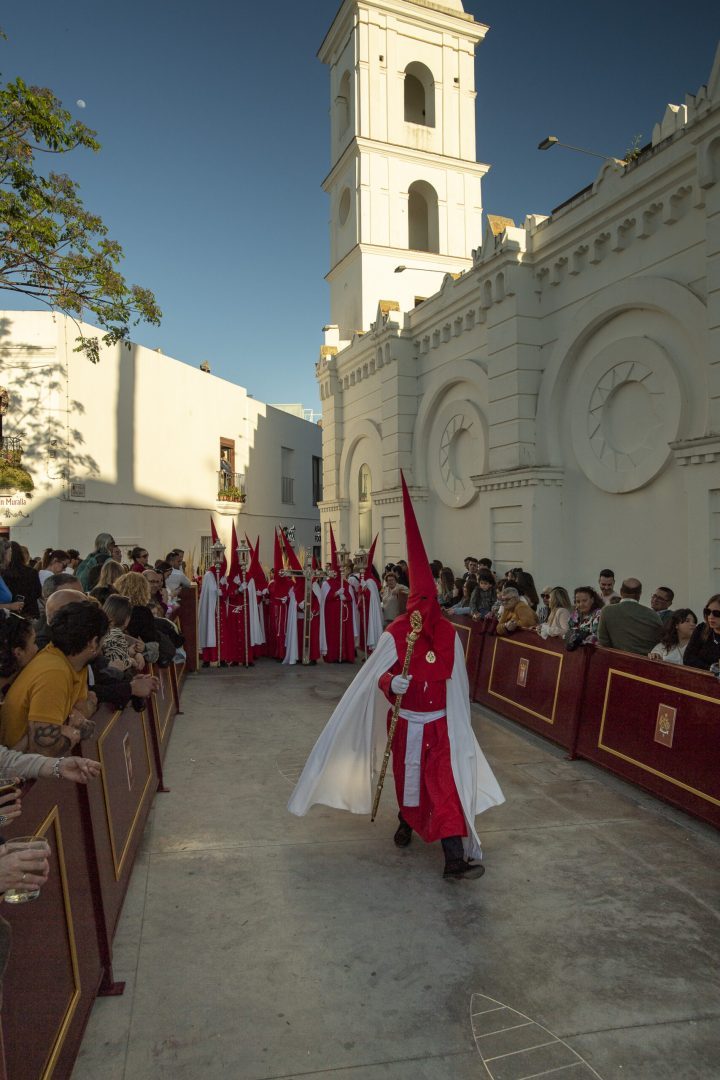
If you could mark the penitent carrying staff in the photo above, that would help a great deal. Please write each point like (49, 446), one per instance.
(442, 779)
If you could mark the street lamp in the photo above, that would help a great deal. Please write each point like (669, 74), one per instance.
(422, 269)
(552, 140)
(242, 551)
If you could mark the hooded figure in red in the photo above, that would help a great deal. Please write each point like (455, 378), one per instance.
(338, 602)
(301, 613)
(279, 591)
(424, 783)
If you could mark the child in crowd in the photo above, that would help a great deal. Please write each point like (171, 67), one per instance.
(122, 651)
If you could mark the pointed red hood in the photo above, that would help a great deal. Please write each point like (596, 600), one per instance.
(423, 590)
(434, 653)
(234, 570)
(370, 569)
(215, 538)
(277, 556)
(255, 570)
(334, 565)
(294, 564)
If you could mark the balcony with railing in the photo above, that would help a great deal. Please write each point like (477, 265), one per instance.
(231, 487)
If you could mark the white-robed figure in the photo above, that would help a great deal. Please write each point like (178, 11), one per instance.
(442, 778)
(369, 605)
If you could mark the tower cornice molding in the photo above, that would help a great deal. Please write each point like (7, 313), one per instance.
(435, 16)
(398, 152)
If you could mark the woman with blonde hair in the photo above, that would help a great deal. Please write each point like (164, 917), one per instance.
(142, 621)
(110, 572)
(560, 610)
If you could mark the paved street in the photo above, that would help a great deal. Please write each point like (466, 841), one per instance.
(257, 946)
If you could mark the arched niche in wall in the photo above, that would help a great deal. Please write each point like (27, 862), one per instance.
(451, 437)
(625, 380)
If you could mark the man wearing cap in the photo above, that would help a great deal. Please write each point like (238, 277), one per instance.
(442, 779)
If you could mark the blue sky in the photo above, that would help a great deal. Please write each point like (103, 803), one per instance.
(214, 127)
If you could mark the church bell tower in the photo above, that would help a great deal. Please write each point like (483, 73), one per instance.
(404, 184)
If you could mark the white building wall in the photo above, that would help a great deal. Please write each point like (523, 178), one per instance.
(142, 432)
(557, 407)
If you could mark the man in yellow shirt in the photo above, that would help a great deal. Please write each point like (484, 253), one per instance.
(53, 688)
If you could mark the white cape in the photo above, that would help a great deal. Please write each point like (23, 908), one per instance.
(206, 612)
(343, 766)
(374, 617)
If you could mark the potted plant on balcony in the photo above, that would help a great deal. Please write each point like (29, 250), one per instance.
(231, 494)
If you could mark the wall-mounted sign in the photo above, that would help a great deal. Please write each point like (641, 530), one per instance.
(317, 539)
(289, 531)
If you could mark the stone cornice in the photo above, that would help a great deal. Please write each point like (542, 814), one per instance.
(702, 451)
(333, 506)
(537, 476)
(398, 152)
(394, 495)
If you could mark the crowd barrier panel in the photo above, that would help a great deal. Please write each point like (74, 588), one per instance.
(187, 616)
(656, 725)
(118, 804)
(55, 968)
(163, 707)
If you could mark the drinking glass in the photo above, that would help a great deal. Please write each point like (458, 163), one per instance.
(21, 895)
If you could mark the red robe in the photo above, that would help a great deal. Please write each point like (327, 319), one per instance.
(227, 630)
(277, 613)
(439, 813)
(240, 620)
(340, 642)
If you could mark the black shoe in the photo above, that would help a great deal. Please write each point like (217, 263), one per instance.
(403, 834)
(455, 869)
(206, 663)
(223, 663)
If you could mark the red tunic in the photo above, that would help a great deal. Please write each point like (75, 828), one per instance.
(340, 642)
(314, 629)
(277, 613)
(439, 813)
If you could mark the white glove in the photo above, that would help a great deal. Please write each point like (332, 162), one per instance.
(400, 684)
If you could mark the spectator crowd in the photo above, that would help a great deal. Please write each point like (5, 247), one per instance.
(590, 614)
(75, 633)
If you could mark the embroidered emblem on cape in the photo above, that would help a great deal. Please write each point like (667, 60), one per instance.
(430, 657)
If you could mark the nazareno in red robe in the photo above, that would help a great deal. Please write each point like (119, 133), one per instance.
(340, 640)
(439, 813)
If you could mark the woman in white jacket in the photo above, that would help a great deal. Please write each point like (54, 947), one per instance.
(556, 624)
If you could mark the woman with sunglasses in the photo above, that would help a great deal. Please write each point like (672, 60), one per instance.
(703, 648)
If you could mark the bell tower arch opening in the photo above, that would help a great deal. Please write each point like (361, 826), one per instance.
(419, 95)
(423, 221)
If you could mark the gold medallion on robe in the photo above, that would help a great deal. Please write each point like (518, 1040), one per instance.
(430, 657)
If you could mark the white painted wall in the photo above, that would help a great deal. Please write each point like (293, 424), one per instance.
(142, 432)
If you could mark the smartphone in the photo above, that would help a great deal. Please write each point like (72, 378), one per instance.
(20, 597)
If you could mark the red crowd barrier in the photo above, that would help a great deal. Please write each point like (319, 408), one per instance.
(62, 942)
(654, 724)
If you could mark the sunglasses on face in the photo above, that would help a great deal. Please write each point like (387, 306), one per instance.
(708, 611)
(544, 595)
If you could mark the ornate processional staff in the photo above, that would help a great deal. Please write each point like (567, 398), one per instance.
(218, 551)
(309, 575)
(243, 551)
(416, 628)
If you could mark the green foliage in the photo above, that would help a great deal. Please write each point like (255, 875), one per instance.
(633, 151)
(231, 494)
(14, 478)
(51, 248)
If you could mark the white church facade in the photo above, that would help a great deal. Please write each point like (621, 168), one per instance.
(552, 394)
(147, 448)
